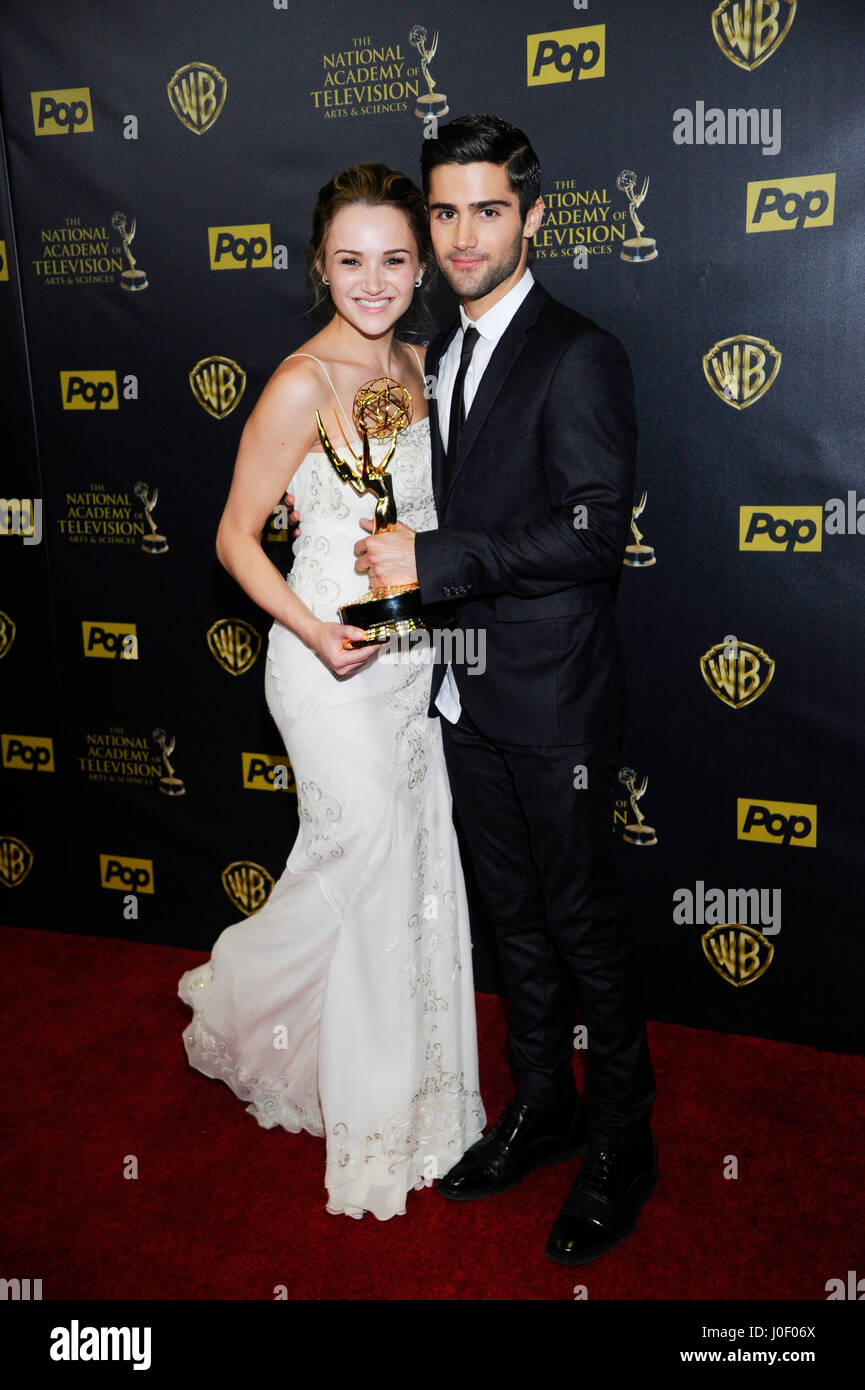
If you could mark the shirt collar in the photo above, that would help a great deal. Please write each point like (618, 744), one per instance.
(493, 323)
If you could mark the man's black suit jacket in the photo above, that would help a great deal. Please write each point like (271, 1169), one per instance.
(550, 430)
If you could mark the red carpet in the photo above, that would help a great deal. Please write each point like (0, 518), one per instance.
(95, 1071)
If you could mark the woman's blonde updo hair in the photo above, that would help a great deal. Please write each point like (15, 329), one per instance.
(372, 185)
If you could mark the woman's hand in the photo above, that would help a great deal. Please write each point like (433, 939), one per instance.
(329, 644)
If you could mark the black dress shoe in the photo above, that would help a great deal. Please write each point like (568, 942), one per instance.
(521, 1139)
(601, 1208)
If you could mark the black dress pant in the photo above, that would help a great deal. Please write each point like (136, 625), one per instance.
(540, 848)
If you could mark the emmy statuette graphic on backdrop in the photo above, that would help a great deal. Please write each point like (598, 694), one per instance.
(638, 248)
(155, 543)
(637, 832)
(639, 556)
(170, 784)
(381, 407)
(432, 103)
(133, 278)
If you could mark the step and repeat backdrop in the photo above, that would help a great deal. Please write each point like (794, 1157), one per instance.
(703, 180)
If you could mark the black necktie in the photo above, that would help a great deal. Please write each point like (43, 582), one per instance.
(458, 413)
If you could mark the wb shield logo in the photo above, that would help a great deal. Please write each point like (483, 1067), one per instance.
(564, 54)
(737, 672)
(89, 390)
(786, 205)
(740, 370)
(740, 955)
(7, 630)
(4, 263)
(217, 384)
(750, 31)
(197, 95)
(16, 861)
(248, 885)
(65, 112)
(240, 248)
(234, 644)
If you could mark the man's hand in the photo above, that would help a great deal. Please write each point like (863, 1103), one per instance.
(387, 558)
(293, 516)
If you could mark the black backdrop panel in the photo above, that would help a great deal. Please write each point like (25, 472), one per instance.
(127, 206)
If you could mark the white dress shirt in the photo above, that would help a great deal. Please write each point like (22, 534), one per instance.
(490, 326)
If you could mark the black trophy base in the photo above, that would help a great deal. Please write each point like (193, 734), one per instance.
(639, 556)
(133, 280)
(384, 613)
(640, 835)
(639, 250)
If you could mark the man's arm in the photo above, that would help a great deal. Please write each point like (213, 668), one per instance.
(589, 444)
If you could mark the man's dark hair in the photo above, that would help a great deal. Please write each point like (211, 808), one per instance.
(486, 140)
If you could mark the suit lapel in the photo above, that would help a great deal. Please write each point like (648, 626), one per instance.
(435, 353)
(505, 354)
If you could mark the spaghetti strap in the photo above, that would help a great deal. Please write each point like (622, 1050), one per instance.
(417, 359)
(332, 387)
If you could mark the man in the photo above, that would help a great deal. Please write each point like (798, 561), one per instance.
(533, 457)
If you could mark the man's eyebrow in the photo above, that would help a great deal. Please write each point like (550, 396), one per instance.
(481, 203)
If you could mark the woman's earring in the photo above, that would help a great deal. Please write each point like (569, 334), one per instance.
(324, 280)
(418, 283)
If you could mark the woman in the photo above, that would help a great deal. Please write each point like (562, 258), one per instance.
(345, 1006)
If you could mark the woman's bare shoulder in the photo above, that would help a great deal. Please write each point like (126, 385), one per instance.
(297, 381)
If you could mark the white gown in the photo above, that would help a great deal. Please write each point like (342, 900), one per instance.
(345, 1006)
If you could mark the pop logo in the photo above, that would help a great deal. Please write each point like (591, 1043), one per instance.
(89, 390)
(240, 248)
(127, 875)
(65, 112)
(786, 205)
(777, 822)
(556, 56)
(28, 753)
(781, 528)
(267, 772)
(113, 641)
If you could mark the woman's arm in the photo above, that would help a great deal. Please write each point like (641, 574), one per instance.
(277, 436)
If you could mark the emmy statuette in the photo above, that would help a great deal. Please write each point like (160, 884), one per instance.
(639, 556)
(154, 543)
(432, 103)
(133, 278)
(638, 248)
(381, 408)
(637, 832)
